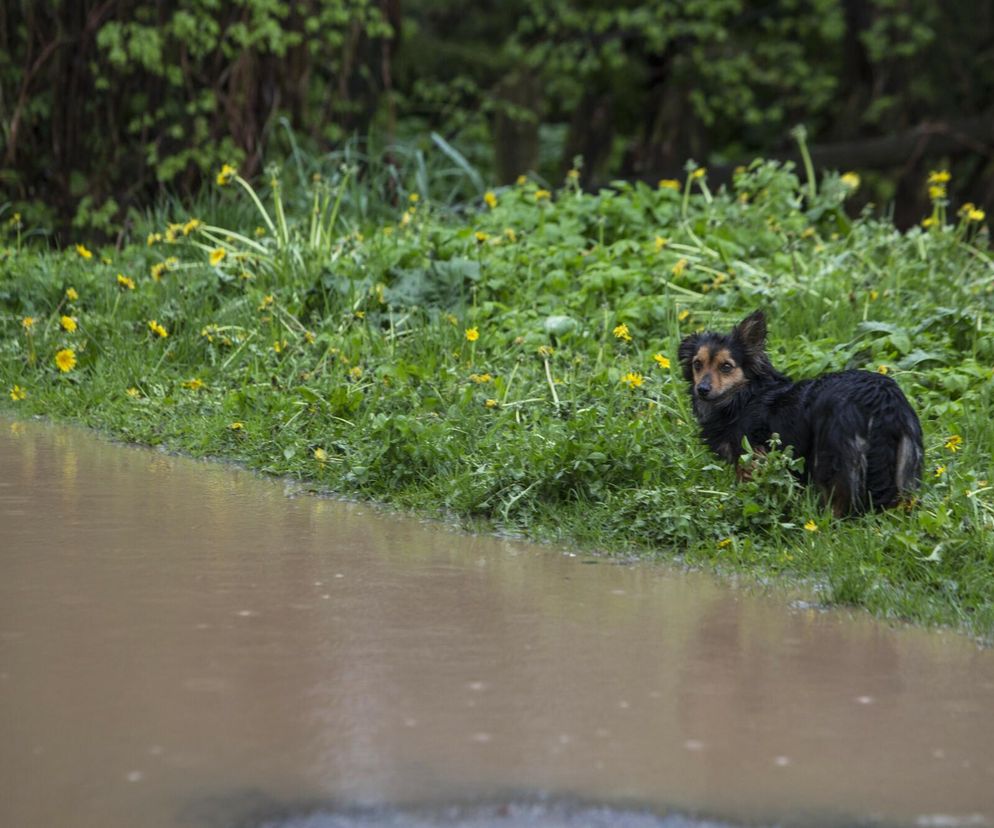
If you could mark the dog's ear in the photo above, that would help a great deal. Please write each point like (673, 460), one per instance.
(685, 353)
(751, 332)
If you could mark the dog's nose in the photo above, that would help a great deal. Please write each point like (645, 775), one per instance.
(703, 390)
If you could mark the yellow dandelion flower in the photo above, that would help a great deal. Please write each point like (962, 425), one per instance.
(669, 184)
(191, 225)
(152, 238)
(480, 379)
(481, 236)
(936, 191)
(414, 198)
(68, 324)
(237, 426)
(633, 380)
(545, 351)
(490, 198)
(511, 235)
(83, 252)
(491, 403)
(930, 221)
(811, 526)
(267, 300)
(227, 173)
(661, 243)
(133, 392)
(975, 214)
(940, 470)
(320, 455)
(622, 332)
(851, 180)
(195, 384)
(28, 322)
(883, 369)
(71, 294)
(700, 172)
(683, 315)
(309, 337)
(724, 542)
(874, 295)
(679, 267)
(662, 361)
(954, 443)
(472, 334)
(279, 346)
(17, 393)
(172, 231)
(522, 180)
(125, 282)
(157, 329)
(542, 194)
(217, 256)
(66, 360)
(355, 372)
(939, 177)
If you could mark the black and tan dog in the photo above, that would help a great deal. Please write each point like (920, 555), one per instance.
(860, 439)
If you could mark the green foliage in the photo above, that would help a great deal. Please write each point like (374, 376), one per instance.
(770, 493)
(155, 97)
(512, 366)
(106, 105)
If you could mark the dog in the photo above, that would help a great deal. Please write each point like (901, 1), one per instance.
(859, 437)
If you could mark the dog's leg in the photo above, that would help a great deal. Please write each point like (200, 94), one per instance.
(841, 501)
(743, 471)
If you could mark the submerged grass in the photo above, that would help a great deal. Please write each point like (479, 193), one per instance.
(511, 363)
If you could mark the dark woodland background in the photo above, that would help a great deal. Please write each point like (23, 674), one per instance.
(108, 105)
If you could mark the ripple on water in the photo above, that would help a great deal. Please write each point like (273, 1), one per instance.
(553, 814)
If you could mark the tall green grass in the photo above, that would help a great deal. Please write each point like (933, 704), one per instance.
(377, 325)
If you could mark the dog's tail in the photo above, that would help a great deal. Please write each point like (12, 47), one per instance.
(896, 454)
(908, 463)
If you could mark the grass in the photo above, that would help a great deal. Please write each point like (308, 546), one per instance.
(508, 362)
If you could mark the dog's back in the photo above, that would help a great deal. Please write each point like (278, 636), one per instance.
(866, 442)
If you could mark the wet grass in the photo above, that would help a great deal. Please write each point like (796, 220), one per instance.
(509, 361)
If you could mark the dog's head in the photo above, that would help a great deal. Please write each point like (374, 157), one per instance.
(719, 365)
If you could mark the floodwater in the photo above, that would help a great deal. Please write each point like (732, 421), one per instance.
(182, 644)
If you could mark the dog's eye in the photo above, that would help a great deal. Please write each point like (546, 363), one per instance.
(697, 364)
(726, 367)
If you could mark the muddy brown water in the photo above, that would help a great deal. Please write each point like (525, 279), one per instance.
(181, 644)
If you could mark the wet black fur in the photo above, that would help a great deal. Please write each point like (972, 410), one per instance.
(860, 439)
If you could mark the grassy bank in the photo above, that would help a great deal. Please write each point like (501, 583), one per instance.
(511, 364)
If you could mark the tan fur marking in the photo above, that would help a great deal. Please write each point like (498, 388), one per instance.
(709, 365)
